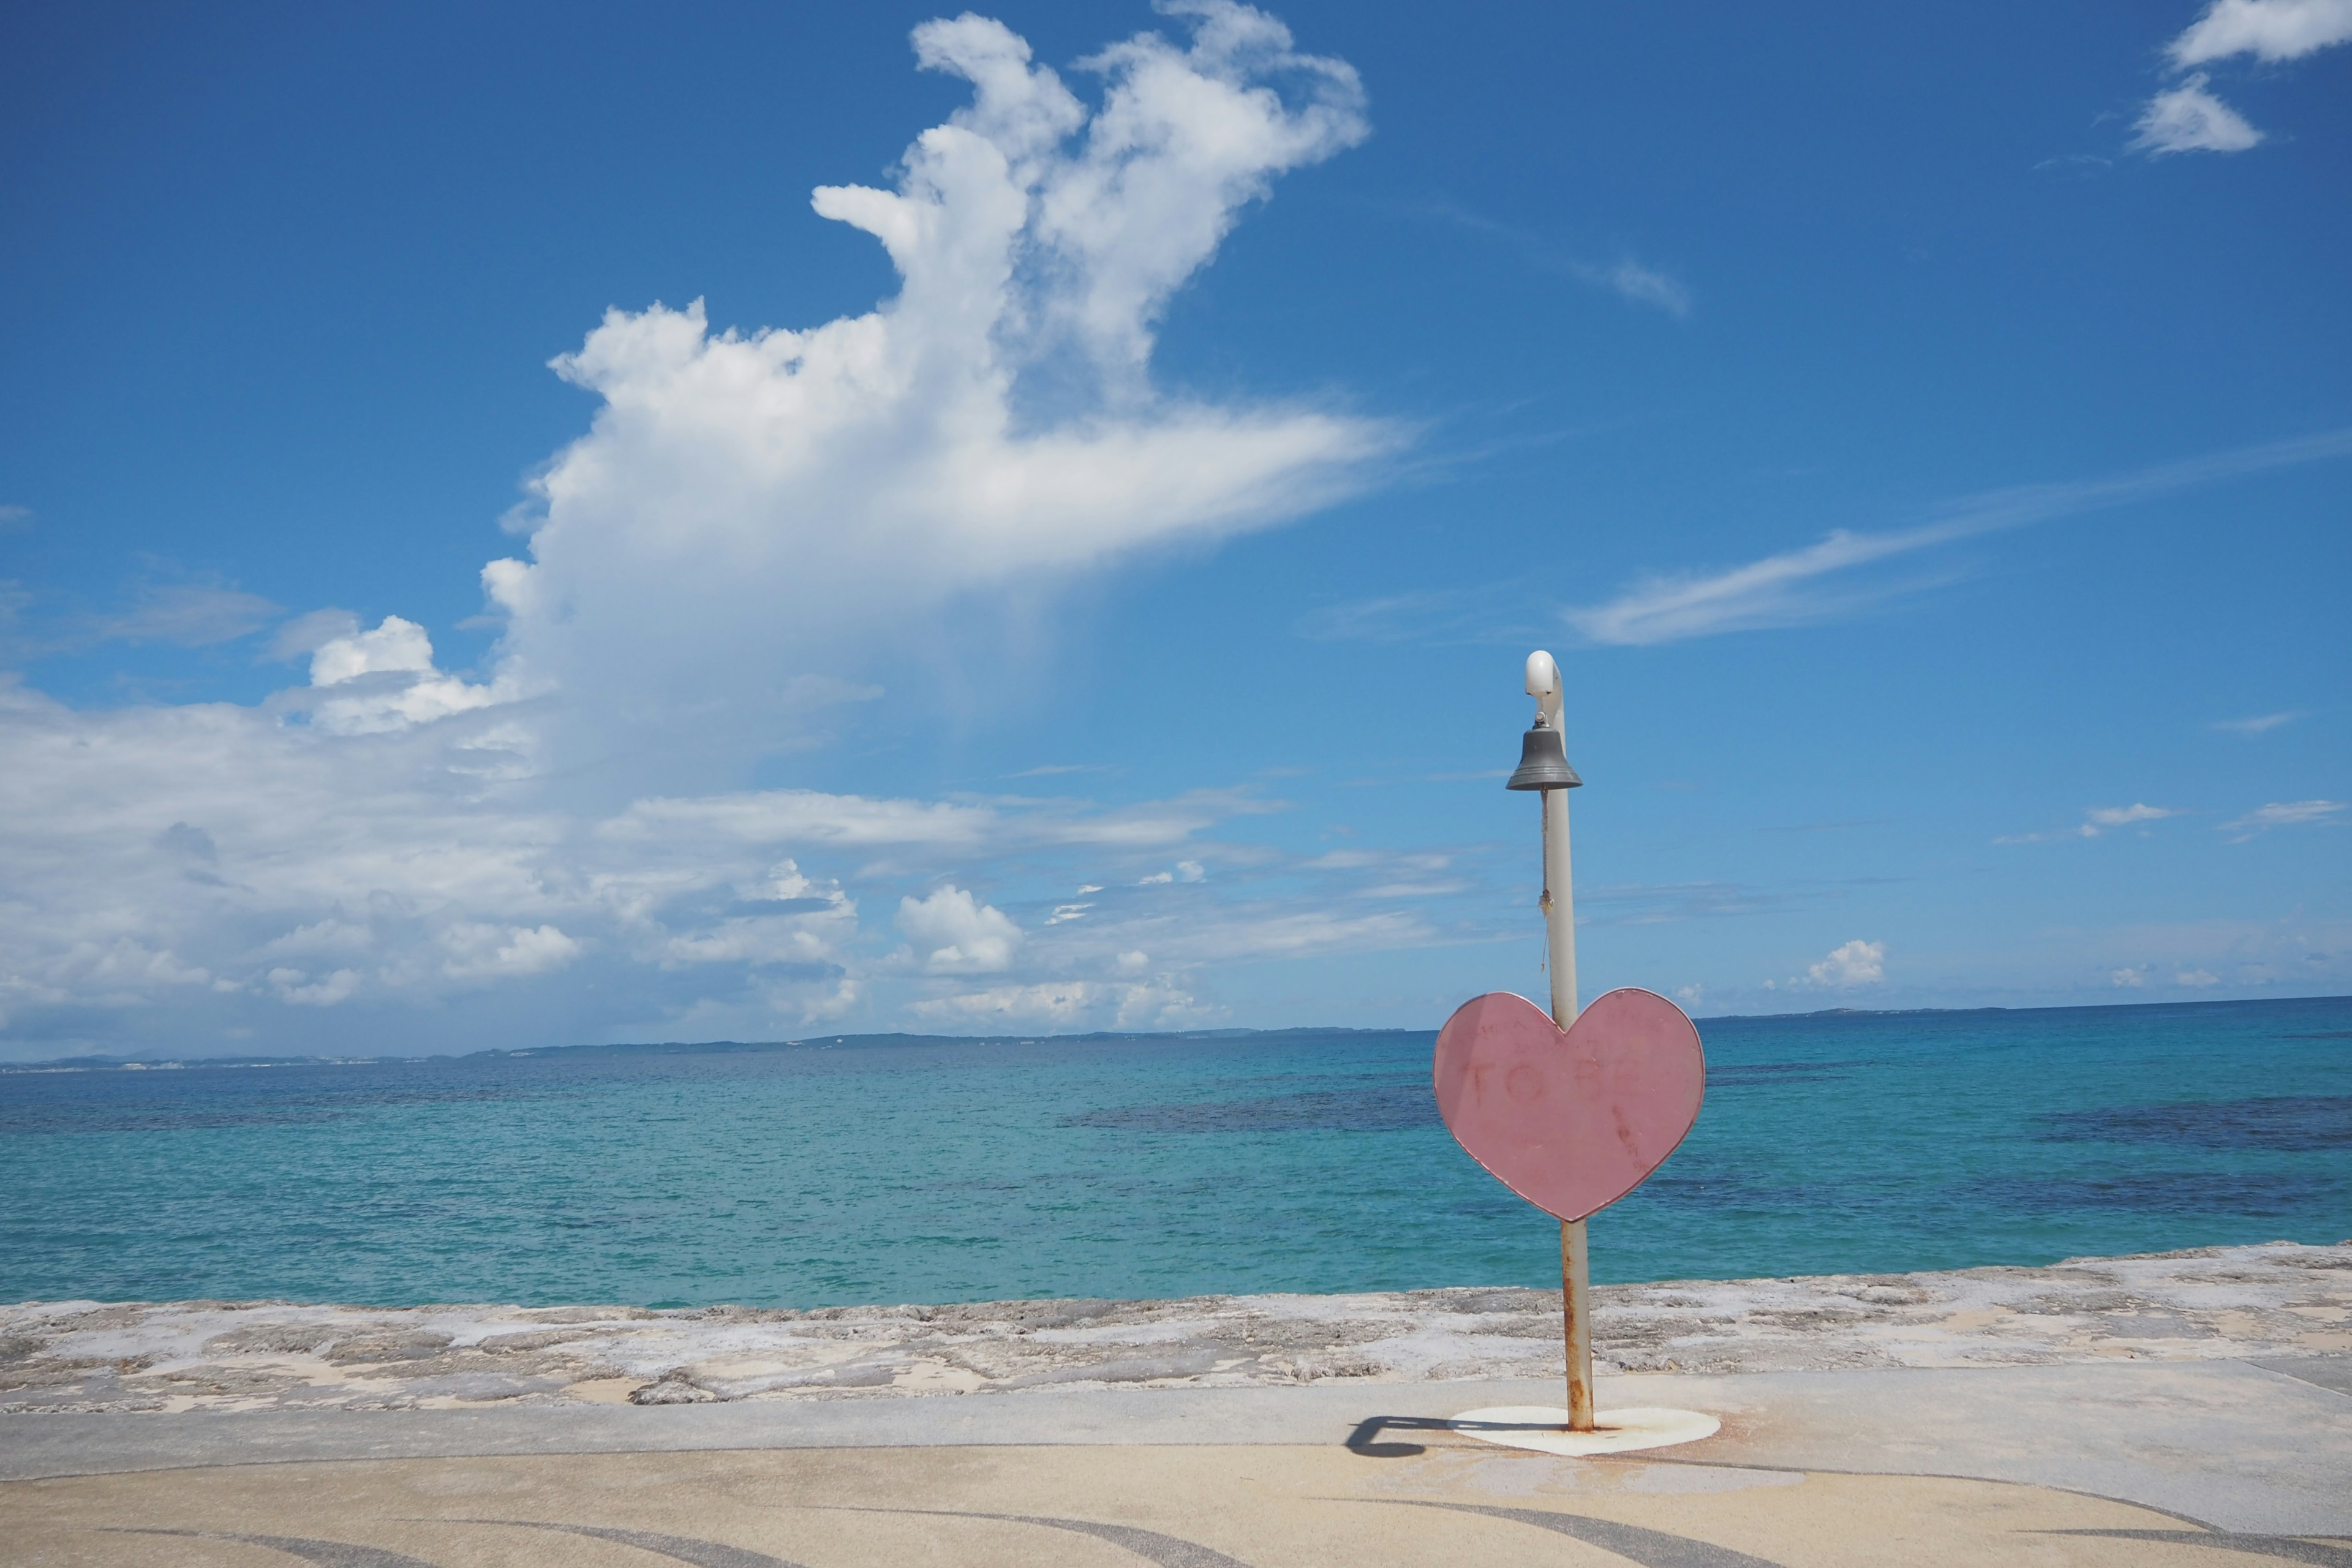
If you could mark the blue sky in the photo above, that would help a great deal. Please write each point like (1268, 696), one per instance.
(1074, 571)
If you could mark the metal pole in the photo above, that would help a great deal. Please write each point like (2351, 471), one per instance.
(1559, 922)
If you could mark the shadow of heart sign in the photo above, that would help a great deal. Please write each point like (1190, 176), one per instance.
(1569, 1120)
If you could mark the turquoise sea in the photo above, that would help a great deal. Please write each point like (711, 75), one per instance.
(893, 1169)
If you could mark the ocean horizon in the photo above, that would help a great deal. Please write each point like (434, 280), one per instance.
(846, 1170)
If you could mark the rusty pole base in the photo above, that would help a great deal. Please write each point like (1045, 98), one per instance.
(1576, 1323)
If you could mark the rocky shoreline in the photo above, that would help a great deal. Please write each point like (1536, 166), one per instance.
(2277, 1299)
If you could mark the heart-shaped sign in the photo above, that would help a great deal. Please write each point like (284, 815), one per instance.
(1569, 1120)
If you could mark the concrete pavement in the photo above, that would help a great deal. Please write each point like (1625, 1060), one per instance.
(2114, 1462)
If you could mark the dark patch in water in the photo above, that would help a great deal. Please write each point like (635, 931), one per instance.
(2200, 1193)
(1387, 1108)
(2294, 1123)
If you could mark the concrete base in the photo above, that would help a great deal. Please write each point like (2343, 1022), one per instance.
(1544, 1429)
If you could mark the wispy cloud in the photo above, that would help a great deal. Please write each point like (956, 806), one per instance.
(190, 615)
(2260, 724)
(2188, 119)
(2284, 814)
(2098, 819)
(1642, 284)
(1812, 583)
(1627, 277)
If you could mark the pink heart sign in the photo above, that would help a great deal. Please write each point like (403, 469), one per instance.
(1571, 1121)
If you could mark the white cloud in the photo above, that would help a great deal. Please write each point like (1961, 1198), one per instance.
(713, 569)
(2260, 724)
(2267, 29)
(298, 989)
(384, 679)
(1856, 962)
(2104, 816)
(2188, 119)
(2097, 820)
(156, 852)
(786, 498)
(2196, 979)
(2126, 978)
(1793, 588)
(498, 953)
(2283, 814)
(955, 934)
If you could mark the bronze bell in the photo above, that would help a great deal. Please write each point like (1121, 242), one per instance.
(1543, 761)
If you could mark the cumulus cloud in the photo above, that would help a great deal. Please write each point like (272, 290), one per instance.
(2268, 29)
(1856, 962)
(501, 951)
(2188, 119)
(212, 872)
(384, 679)
(955, 934)
(708, 573)
(179, 868)
(746, 502)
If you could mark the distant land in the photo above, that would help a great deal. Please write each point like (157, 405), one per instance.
(711, 1048)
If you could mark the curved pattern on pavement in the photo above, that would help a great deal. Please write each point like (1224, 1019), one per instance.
(1650, 1548)
(683, 1547)
(326, 1553)
(1167, 1551)
(2292, 1548)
